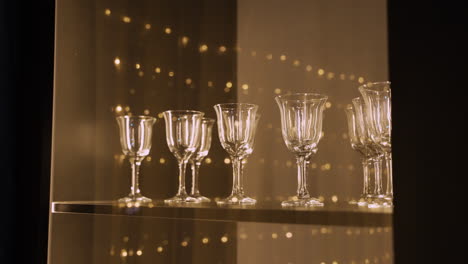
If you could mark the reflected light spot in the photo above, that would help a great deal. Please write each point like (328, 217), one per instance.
(253, 53)
(171, 74)
(117, 61)
(323, 230)
(162, 160)
(289, 235)
(245, 86)
(127, 108)
(227, 161)
(205, 240)
(243, 235)
(308, 68)
(269, 56)
(321, 72)
(132, 91)
(125, 239)
(288, 163)
(188, 81)
(203, 48)
(141, 73)
(229, 84)
(321, 198)
(296, 63)
(352, 77)
(277, 91)
(146, 112)
(323, 262)
(184, 40)
(327, 166)
(361, 80)
(328, 104)
(159, 249)
(222, 49)
(118, 109)
(160, 115)
(208, 160)
(126, 19)
(283, 57)
(335, 262)
(330, 75)
(168, 30)
(107, 11)
(148, 158)
(157, 70)
(274, 235)
(184, 243)
(224, 239)
(148, 26)
(226, 90)
(342, 76)
(334, 198)
(139, 252)
(210, 84)
(123, 253)
(137, 66)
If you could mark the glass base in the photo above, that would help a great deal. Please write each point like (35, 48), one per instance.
(135, 201)
(380, 202)
(237, 199)
(301, 202)
(181, 199)
(201, 198)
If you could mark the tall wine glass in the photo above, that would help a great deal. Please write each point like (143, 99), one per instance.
(206, 129)
(135, 140)
(378, 110)
(301, 125)
(237, 123)
(183, 139)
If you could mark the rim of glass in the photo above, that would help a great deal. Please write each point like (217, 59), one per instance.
(236, 105)
(208, 120)
(358, 99)
(371, 87)
(143, 117)
(318, 97)
(184, 112)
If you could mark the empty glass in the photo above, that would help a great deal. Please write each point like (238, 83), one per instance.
(301, 123)
(237, 123)
(183, 139)
(135, 140)
(206, 129)
(378, 112)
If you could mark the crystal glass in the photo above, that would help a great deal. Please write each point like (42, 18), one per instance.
(378, 112)
(237, 123)
(135, 140)
(183, 139)
(360, 141)
(206, 129)
(301, 124)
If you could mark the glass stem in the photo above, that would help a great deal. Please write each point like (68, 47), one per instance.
(237, 181)
(388, 165)
(366, 163)
(135, 163)
(182, 166)
(378, 176)
(302, 177)
(195, 169)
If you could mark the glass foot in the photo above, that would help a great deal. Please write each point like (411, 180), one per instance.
(301, 202)
(380, 201)
(182, 198)
(236, 199)
(135, 201)
(201, 198)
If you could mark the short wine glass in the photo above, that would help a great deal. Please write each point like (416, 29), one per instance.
(183, 139)
(301, 125)
(237, 123)
(135, 140)
(206, 129)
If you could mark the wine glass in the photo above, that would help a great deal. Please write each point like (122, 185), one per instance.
(135, 140)
(206, 129)
(237, 123)
(301, 123)
(378, 113)
(183, 139)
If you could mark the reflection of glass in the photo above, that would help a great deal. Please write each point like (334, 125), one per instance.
(301, 123)
(378, 112)
(237, 123)
(206, 129)
(135, 140)
(183, 139)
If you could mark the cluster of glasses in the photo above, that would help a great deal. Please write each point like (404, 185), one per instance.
(369, 130)
(188, 136)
